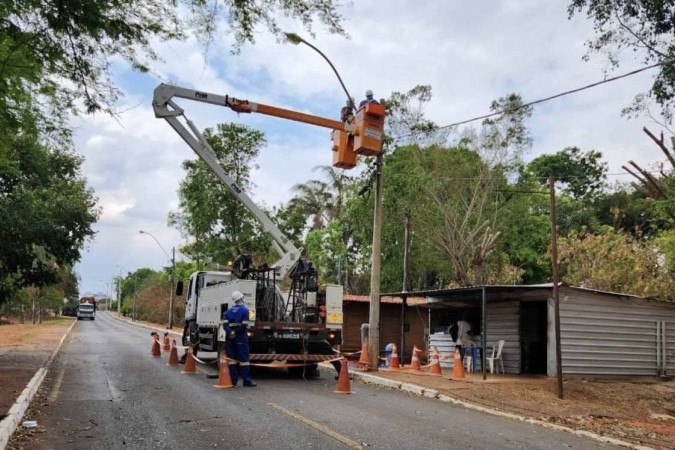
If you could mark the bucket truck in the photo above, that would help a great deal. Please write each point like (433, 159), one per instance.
(305, 324)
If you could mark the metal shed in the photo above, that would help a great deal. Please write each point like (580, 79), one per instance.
(602, 333)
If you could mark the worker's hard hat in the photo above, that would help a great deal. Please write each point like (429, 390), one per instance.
(369, 93)
(237, 296)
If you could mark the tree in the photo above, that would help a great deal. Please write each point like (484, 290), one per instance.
(207, 208)
(458, 189)
(46, 213)
(581, 173)
(647, 28)
(64, 51)
(615, 261)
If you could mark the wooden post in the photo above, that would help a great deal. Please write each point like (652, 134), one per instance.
(556, 300)
(484, 331)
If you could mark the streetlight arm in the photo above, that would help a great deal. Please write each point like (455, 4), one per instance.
(155, 239)
(294, 38)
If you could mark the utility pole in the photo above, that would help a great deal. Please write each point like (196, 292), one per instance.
(133, 318)
(173, 279)
(119, 291)
(374, 320)
(404, 301)
(556, 300)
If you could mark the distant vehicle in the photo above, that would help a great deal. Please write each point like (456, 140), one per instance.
(89, 299)
(86, 311)
(69, 311)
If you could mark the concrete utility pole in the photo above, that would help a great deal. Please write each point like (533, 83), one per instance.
(173, 280)
(119, 290)
(376, 257)
(404, 300)
(556, 300)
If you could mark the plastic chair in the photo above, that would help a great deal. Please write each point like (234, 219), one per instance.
(496, 356)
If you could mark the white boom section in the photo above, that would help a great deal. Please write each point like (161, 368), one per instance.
(166, 109)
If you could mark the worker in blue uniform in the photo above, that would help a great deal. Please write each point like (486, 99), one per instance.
(235, 323)
(369, 99)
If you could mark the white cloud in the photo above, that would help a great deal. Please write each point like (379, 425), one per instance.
(470, 53)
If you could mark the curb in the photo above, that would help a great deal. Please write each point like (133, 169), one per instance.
(16, 412)
(434, 394)
(175, 333)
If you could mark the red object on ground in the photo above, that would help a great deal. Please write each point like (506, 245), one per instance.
(173, 356)
(343, 386)
(190, 365)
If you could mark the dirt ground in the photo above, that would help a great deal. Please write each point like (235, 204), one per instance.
(640, 411)
(23, 349)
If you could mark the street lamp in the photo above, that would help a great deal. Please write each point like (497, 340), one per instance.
(173, 272)
(295, 39)
(376, 257)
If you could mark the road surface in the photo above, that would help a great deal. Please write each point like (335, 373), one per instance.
(105, 391)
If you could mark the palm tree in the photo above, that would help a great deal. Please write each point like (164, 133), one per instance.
(313, 199)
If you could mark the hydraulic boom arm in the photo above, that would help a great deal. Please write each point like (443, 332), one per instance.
(359, 134)
(166, 109)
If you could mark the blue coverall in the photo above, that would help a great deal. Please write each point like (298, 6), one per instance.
(368, 100)
(236, 322)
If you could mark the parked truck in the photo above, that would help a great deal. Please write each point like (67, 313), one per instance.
(88, 299)
(300, 325)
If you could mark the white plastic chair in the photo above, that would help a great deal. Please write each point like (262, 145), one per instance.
(496, 356)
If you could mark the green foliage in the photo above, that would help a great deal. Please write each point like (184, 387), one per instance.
(207, 208)
(46, 213)
(646, 27)
(582, 173)
(65, 50)
(615, 261)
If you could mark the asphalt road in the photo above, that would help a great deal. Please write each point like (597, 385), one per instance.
(105, 391)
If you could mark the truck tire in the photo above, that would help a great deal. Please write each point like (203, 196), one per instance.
(190, 330)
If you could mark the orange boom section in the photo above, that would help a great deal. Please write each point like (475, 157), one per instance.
(369, 129)
(359, 135)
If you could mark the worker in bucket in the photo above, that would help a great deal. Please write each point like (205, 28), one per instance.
(236, 324)
(369, 99)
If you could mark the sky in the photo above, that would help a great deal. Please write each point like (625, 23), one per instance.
(469, 52)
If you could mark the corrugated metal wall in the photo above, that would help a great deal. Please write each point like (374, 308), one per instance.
(608, 335)
(670, 346)
(503, 322)
(445, 346)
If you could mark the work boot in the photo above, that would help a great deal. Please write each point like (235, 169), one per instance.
(251, 384)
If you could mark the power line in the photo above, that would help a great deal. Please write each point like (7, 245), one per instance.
(560, 178)
(546, 99)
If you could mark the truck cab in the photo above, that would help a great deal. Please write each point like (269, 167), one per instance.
(86, 311)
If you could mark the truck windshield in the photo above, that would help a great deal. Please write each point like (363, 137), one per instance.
(86, 308)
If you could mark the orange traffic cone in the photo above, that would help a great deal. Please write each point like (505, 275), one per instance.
(224, 379)
(415, 360)
(394, 362)
(365, 356)
(435, 368)
(167, 345)
(155, 350)
(343, 380)
(190, 366)
(458, 367)
(173, 356)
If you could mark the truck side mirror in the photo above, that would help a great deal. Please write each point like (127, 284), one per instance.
(179, 288)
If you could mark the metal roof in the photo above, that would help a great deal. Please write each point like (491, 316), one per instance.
(509, 288)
